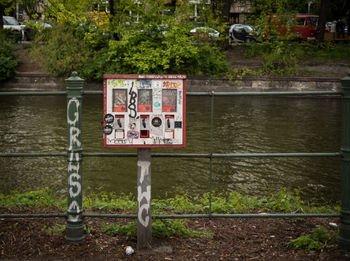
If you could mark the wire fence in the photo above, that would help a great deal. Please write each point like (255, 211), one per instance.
(210, 155)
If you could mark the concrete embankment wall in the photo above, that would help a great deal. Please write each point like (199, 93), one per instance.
(264, 84)
(43, 82)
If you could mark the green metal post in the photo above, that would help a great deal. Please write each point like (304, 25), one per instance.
(74, 228)
(211, 150)
(344, 234)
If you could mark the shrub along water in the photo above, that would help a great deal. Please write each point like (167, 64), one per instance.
(154, 44)
(8, 61)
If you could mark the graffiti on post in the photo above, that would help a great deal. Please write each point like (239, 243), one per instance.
(144, 197)
(74, 177)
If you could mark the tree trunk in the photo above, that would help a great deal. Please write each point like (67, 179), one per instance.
(111, 9)
(225, 12)
(322, 20)
(2, 9)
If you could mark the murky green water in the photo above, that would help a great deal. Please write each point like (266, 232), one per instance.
(242, 125)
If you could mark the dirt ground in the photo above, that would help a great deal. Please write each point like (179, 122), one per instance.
(26, 63)
(234, 239)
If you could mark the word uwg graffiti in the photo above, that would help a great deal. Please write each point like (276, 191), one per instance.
(144, 197)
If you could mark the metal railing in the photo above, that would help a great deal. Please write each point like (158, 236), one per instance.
(75, 215)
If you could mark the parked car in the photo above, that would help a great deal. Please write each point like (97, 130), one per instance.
(205, 33)
(12, 24)
(33, 27)
(242, 33)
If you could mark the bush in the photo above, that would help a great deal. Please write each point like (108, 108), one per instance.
(12, 35)
(148, 50)
(280, 57)
(317, 240)
(8, 61)
(144, 48)
(60, 50)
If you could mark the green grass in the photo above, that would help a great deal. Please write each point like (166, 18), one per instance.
(284, 58)
(283, 201)
(160, 229)
(39, 198)
(329, 50)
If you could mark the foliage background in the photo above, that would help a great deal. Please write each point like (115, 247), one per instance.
(141, 37)
(8, 61)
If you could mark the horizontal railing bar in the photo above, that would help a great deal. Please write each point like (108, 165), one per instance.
(263, 93)
(321, 215)
(178, 155)
(58, 154)
(107, 154)
(39, 215)
(215, 155)
(47, 93)
(290, 93)
(275, 155)
(177, 216)
(93, 92)
(31, 93)
(101, 215)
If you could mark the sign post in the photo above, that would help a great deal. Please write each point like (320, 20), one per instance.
(144, 216)
(144, 112)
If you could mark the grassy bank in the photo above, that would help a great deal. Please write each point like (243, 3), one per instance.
(284, 201)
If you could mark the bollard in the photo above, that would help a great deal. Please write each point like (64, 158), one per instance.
(74, 227)
(344, 233)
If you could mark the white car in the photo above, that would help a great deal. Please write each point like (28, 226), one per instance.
(12, 24)
(202, 32)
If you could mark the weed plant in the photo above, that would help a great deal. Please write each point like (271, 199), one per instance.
(317, 240)
(55, 229)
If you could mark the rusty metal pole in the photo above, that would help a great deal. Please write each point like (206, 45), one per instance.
(74, 227)
(344, 233)
(144, 217)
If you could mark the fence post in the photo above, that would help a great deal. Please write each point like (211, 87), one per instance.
(74, 227)
(344, 234)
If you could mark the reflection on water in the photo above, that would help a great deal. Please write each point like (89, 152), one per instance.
(242, 125)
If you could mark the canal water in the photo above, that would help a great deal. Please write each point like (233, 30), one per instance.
(241, 125)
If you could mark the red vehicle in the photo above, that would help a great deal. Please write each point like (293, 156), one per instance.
(306, 26)
(302, 26)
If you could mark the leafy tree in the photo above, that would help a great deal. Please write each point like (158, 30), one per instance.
(134, 37)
